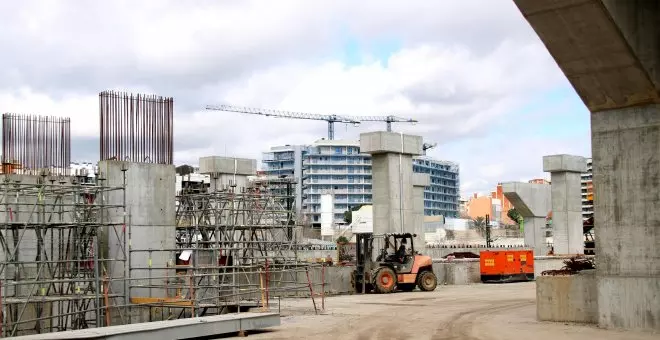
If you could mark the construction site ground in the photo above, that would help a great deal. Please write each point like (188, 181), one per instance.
(489, 312)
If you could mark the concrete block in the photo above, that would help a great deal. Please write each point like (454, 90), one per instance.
(227, 165)
(564, 163)
(421, 180)
(567, 298)
(385, 142)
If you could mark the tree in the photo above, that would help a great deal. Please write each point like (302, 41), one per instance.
(479, 224)
(183, 170)
(348, 216)
(514, 215)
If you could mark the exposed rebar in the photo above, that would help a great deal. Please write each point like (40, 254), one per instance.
(136, 127)
(36, 144)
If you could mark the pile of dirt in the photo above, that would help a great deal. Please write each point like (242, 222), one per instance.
(462, 255)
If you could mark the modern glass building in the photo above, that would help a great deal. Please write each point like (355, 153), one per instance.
(337, 167)
(442, 196)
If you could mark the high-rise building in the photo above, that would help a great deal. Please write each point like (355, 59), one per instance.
(587, 192)
(287, 161)
(442, 196)
(337, 167)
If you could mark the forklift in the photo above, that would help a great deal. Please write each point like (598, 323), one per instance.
(396, 267)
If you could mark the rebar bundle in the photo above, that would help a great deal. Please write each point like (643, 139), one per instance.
(36, 144)
(136, 127)
(54, 274)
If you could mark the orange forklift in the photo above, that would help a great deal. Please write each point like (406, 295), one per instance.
(396, 267)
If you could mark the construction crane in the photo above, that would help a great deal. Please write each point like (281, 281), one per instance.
(331, 119)
(387, 119)
(427, 146)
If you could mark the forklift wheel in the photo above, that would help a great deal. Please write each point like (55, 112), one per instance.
(427, 281)
(384, 280)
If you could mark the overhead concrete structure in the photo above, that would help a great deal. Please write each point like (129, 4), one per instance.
(227, 172)
(419, 182)
(609, 51)
(532, 201)
(566, 172)
(392, 174)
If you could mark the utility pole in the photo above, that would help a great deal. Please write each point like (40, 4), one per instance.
(488, 238)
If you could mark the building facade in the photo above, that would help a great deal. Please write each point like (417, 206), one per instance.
(587, 187)
(337, 167)
(442, 196)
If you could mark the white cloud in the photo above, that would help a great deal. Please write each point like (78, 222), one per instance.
(460, 68)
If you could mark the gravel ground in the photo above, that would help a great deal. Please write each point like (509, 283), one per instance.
(489, 312)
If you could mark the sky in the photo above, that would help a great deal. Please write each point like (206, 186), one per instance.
(473, 73)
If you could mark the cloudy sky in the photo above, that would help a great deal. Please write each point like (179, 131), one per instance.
(472, 72)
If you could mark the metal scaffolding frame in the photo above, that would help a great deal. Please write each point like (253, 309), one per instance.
(234, 249)
(54, 272)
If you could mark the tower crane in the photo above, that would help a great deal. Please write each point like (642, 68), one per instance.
(387, 119)
(331, 119)
(427, 146)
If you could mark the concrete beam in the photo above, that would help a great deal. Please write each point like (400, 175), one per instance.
(227, 165)
(380, 142)
(532, 201)
(171, 329)
(529, 199)
(606, 48)
(564, 163)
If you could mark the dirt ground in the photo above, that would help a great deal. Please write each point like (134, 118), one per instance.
(488, 312)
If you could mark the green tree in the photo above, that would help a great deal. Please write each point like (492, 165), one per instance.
(479, 224)
(514, 215)
(348, 216)
(183, 170)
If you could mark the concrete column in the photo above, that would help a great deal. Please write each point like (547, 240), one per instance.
(420, 182)
(227, 172)
(608, 50)
(532, 201)
(626, 170)
(565, 171)
(151, 219)
(392, 188)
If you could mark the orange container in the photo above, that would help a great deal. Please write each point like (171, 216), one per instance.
(507, 265)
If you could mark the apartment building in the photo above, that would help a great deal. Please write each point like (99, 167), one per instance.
(442, 196)
(587, 192)
(337, 167)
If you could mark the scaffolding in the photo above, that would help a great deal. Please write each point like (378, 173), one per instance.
(54, 273)
(235, 248)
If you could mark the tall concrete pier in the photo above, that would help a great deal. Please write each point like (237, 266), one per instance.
(565, 176)
(609, 51)
(392, 172)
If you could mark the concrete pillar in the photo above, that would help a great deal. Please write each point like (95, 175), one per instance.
(151, 219)
(532, 201)
(420, 182)
(227, 172)
(609, 51)
(565, 172)
(392, 174)
(626, 170)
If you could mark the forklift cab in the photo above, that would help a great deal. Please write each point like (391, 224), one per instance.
(403, 255)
